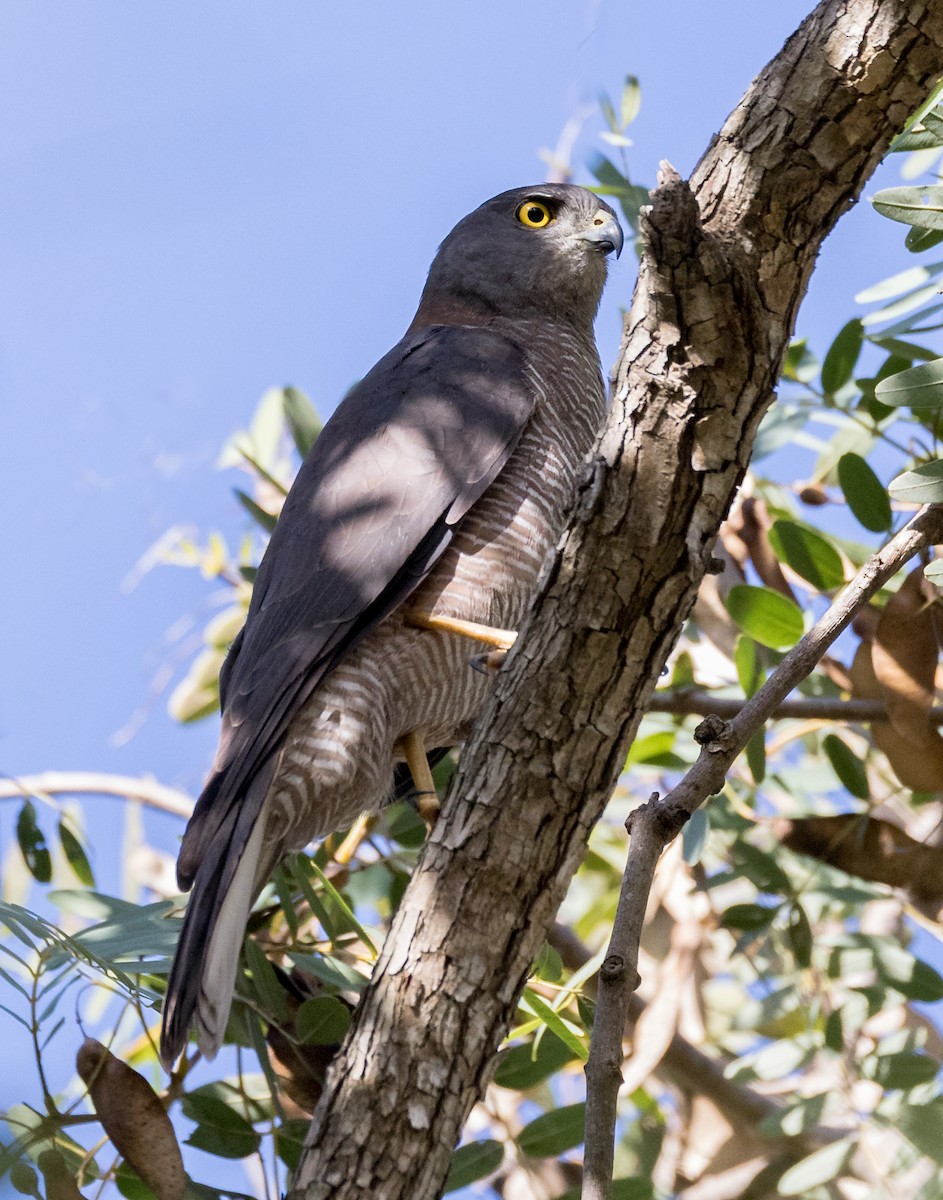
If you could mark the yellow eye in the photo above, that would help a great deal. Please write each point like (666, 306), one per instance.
(534, 215)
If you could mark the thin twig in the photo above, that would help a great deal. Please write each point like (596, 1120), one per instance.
(618, 979)
(656, 823)
(53, 783)
(700, 703)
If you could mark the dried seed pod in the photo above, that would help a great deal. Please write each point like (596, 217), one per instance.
(134, 1118)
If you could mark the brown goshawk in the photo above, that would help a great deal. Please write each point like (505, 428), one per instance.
(423, 513)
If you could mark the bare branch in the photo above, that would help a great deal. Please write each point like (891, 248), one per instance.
(802, 708)
(656, 823)
(618, 979)
(723, 741)
(74, 783)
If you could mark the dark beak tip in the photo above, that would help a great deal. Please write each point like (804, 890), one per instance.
(606, 238)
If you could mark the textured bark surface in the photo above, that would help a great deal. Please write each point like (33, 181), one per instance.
(726, 263)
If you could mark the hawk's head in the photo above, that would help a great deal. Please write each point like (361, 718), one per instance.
(532, 251)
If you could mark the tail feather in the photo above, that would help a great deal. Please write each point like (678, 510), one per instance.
(203, 975)
(221, 960)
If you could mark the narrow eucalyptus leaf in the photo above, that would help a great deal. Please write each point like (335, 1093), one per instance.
(921, 206)
(918, 388)
(808, 553)
(553, 1132)
(839, 364)
(922, 485)
(473, 1162)
(847, 766)
(866, 495)
(769, 617)
(33, 846)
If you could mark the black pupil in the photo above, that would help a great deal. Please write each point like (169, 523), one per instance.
(536, 214)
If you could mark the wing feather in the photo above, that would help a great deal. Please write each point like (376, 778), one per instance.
(406, 455)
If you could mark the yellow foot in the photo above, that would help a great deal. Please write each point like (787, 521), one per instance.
(414, 751)
(502, 639)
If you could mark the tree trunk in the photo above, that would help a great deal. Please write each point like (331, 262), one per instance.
(726, 261)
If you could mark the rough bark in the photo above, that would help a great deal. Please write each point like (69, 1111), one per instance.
(726, 262)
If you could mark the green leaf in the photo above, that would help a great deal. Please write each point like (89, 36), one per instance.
(302, 420)
(866, 495)
(918, 240)
(322, 1021)
(749, 667)
(834, 1031)
(800, 365)
(900, 283)
(332, 971)
(655, 749)
(778, 428)
(33, 845)
(774, 1061)
(473, 1162)
(25, 1180)
(922, 485)
(748, 916)
(847, 766)
(631, 101)
(549, 965)
(768, 617)
(522, 1067)
(694, 836)
(800, 935)
(220, 1129)
(553, 1132)
(341, 904)
(131, 1185)
(821, 1167)
(555, 1023)
(265, 982)
(636, 1187)
(609, 113)
(901, 349)
(762, 869)
(808, 553)
(905, 1069)
(908, 975)
(842, 355)
(904, 310)
(922, 1126)
(756, 755)
(290, 1140)
(258, 514)
(917, 388)
(922, 206)
(934, 572)
(586, 1007)
(75, 854)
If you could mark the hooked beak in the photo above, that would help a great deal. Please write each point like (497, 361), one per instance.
(604, 234)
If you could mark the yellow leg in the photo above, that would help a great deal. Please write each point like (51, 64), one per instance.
(503, 639)
(414, 752)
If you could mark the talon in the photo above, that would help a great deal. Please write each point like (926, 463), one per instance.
(489, 663)
(503, 639)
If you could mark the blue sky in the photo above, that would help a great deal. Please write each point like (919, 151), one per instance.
(200, 201)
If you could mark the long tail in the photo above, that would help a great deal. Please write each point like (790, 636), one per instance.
(203, 975)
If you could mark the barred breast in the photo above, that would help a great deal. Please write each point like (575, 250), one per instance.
(338, 756)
